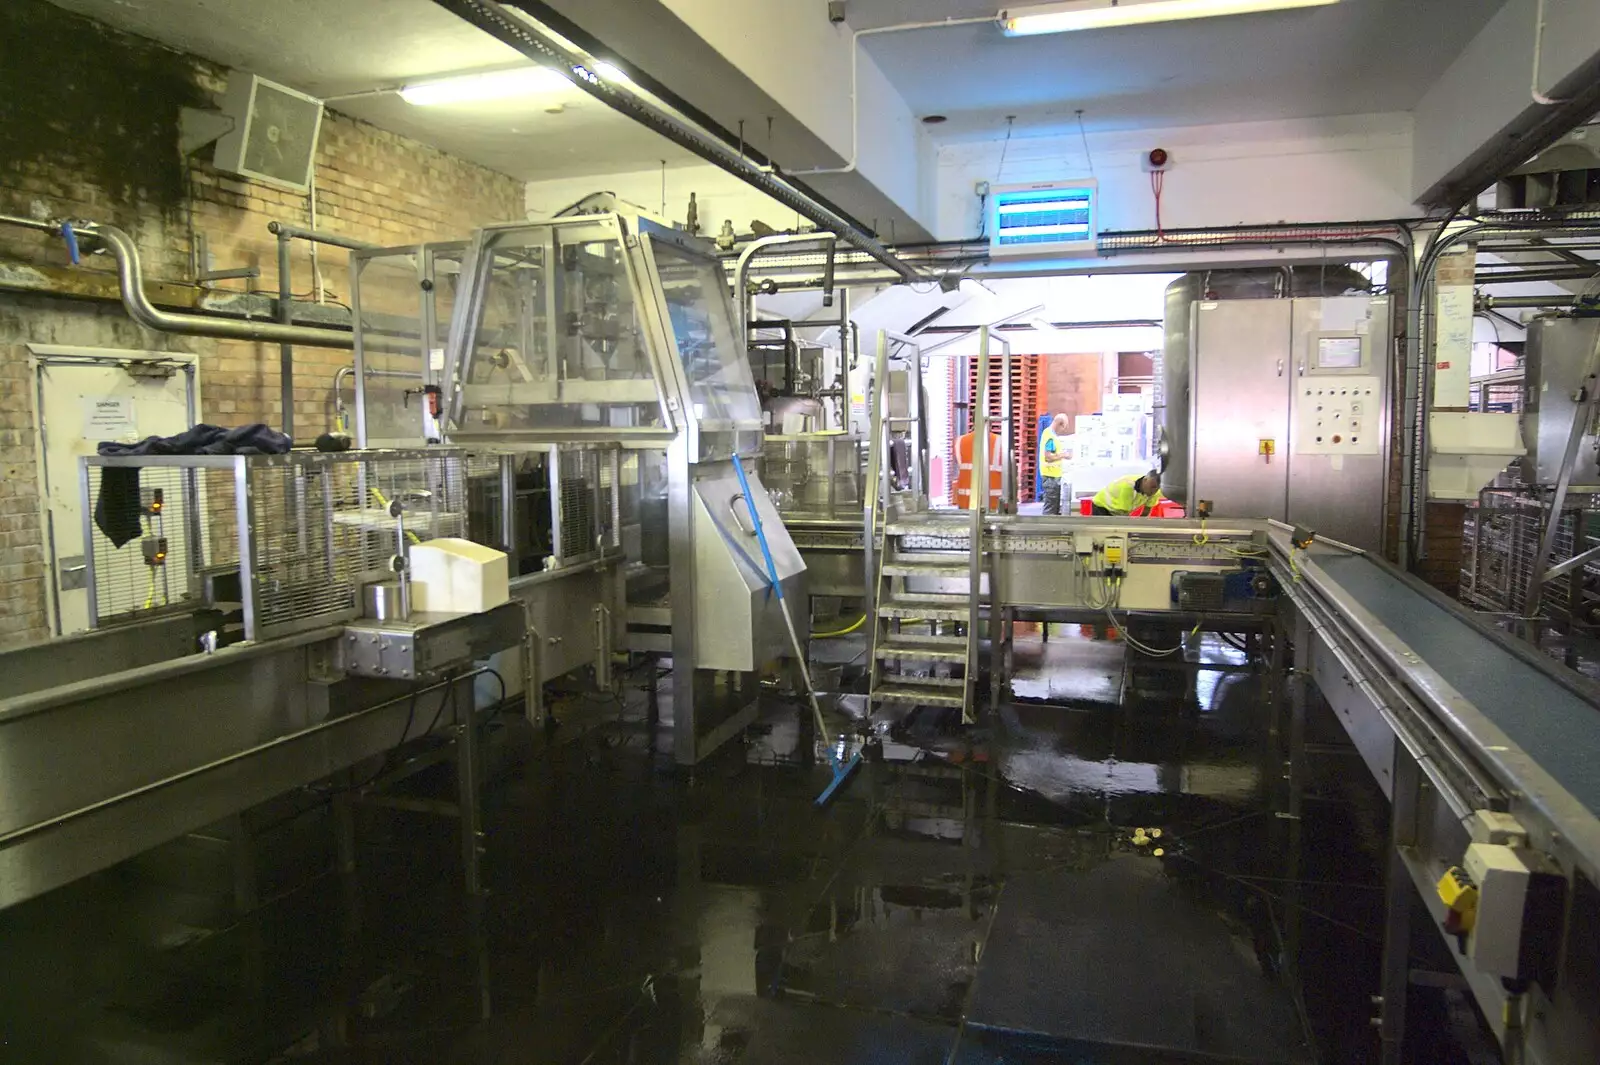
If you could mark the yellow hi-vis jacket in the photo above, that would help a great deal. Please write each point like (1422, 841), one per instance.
(1051, 458)
(1122, 497)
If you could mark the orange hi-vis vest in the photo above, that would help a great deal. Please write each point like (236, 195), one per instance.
(964, 460)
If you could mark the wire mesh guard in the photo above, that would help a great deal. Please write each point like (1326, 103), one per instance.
(278, 542)
(1502, 537)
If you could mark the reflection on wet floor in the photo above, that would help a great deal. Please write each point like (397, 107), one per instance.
(1070, 883)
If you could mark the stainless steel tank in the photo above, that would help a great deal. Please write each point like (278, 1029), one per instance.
(1173, 413)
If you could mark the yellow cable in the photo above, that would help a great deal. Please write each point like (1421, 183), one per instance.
(1200, 538)
(841, 632)
(1294, 565)
(150, 599)
(384, 503)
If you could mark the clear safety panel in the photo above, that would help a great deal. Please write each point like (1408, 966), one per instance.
(554, 340)
(389, 329)
(401, 300)
(722, 392)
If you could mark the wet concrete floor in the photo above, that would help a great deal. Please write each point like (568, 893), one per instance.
(1079, 882)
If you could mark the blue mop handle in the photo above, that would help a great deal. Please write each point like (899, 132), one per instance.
(761, 535)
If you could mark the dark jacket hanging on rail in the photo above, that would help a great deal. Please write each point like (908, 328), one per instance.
(118, 509)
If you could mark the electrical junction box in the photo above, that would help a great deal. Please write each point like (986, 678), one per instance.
(1517, 932)
(1083, 543)
(1047, 218)
(1114, 549)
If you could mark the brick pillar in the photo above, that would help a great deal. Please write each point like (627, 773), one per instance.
(1440, 564)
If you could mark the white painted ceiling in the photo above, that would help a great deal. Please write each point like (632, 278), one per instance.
(334, 47)
(1354, 57)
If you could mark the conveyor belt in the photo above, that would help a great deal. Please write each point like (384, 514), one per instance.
(1550, 721)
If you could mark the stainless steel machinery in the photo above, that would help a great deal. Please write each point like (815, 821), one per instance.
(565, 512)
(607, 331)
(1557, 361)
(1293, 395)
(231, 660)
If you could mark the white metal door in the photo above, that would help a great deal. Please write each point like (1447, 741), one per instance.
(83, 396)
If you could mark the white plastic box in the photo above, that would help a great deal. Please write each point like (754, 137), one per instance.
(453, 576)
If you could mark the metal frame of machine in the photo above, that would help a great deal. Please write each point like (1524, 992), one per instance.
(219, 729)
(688, 410)
(1469, 765)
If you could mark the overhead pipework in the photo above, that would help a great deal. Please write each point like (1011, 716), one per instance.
(541, 46)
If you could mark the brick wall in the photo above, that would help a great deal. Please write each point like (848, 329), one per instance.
(1072, 385)
(370, 184)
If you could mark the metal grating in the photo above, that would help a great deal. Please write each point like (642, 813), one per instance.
(578, 483)
(312, 529)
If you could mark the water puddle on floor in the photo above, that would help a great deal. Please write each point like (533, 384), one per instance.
(1064, 883)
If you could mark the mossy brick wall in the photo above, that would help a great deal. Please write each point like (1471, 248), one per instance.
(101, 143)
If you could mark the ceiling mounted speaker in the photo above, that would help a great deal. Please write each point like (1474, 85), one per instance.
(274, 134)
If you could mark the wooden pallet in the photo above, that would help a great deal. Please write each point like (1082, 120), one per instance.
(1027, 393)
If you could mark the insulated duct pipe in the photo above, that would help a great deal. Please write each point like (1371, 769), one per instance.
(539, 45)
(741, 272)
(130, 278)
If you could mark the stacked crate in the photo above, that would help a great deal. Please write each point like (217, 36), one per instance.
(1027, 392)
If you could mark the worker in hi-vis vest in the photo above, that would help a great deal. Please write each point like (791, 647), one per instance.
(1127, 494)
(1052, 462)
(964, 463)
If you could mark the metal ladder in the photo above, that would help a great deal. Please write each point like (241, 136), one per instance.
(928, 593)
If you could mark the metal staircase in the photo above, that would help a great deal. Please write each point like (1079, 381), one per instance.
(928, 597)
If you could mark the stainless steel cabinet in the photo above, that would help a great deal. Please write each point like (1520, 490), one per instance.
(1290, 411)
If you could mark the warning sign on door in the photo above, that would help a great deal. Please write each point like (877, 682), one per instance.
(108, 417)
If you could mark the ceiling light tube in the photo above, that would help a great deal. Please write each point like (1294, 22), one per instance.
(494, 85)
(1101, 14)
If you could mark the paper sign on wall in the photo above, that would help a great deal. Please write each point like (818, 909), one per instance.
(108, 417)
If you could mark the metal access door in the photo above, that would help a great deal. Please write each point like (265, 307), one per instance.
(81, 397)
(1240, 392)
(1339, 450)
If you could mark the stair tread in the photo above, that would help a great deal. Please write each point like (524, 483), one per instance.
(932, 652)
(936, 527)
(898, 568)
(904, 692)
(914, 679)
(925, 640)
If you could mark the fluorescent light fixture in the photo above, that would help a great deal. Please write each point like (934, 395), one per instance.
(1100, 14)
(495, 85)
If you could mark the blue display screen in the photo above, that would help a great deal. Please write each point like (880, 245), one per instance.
(1044, 216)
